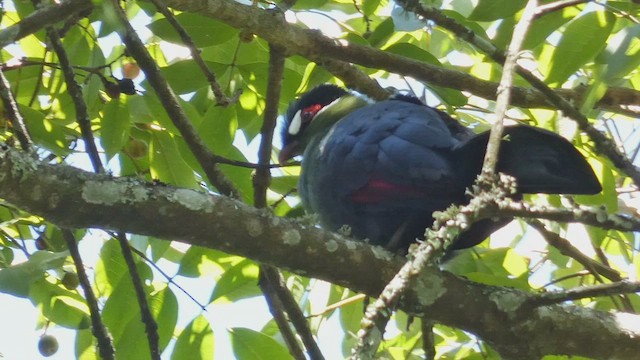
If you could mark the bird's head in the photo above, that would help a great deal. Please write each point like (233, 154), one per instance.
(300, 115)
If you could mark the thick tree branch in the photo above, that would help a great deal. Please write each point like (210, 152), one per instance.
(75, 198)
(316, 47)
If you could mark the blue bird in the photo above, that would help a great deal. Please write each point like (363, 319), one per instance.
(383, 168)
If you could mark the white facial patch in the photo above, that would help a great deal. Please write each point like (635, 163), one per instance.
(296, 123)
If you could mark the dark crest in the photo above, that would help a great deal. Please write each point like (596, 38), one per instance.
(322, 95)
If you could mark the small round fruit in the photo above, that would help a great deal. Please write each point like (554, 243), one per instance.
(70, 280)
(136, 148)
(47, 345)
(130, 70)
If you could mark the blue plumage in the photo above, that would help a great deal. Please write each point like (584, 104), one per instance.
(383, 168)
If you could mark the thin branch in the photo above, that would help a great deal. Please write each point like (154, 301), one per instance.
(504, 90)
(13, 114)
(556, 6)
(555, 297)
(169, 100)
(268, 280)
(151, 327)
(166, 276)
(221, 98)
(82, 114)
(350, 300)
(100, 332)
(567, 249)
(595, 268)
(582, 214)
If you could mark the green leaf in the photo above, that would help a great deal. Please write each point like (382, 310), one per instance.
(370, 6)
(114, 127)
(252, 345)
(239, 282)
(110, 268)
(283, 184)
(45, 132)
(59, 305)
(16, 279)
(199, 261)
(166, 163)
(413, 52)
(181, 84)
(622, 54)
(583, 38)
(195, 341)
(122, 316)
(489, 10)
(76, 44)
(218, 128)
(204, 31)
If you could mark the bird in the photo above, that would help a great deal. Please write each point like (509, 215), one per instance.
(381, 169)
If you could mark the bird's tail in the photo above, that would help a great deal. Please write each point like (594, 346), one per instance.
(540, 160)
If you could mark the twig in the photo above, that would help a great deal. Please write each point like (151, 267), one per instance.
(166, 276)
(221, 98)
(595, 268)
(339, 304)
(270, 278)
(11, 108)
(100, 332)
(82, 114)
(504, 90)
(567, 249)
(276, 308)
(558, 5)
(585, 215)
(151, 327)
(617, 288)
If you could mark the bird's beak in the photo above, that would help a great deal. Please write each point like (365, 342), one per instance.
(288, 152)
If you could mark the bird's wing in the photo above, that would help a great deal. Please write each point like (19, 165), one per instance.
(391, 152)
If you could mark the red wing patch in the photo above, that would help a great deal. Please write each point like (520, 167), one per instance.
(377, 190)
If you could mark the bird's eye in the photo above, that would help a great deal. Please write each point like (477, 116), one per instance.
(302, 118)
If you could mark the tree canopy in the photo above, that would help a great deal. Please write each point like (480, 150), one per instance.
(143, 130)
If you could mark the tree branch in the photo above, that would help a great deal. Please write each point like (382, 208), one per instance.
(75, 198)
(41, 18)
(318, 48)
(169, 100)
